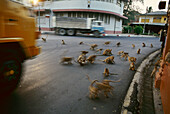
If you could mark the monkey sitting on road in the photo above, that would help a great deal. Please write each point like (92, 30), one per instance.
(81, 59)
(138, 51)
(66, 59)
(107, 52)
(109, 60)
(44, 39)
(132, 66)
(81, 43)
(91, 58)
(99, 50)
(133, 45)
(151, 45)
(107, 43)
(118, 44)
(63, 43)
(143, 45)
(84, 52)
(132, 59)
(120, 52)
(125, 56)
(93, 46)
(106, 73)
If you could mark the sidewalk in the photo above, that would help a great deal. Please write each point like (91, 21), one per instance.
(142, 97)
(114, 35)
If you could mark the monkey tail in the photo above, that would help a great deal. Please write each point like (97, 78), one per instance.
(113, 74)
(112, 81)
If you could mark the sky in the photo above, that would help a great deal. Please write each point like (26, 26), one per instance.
(153, 3)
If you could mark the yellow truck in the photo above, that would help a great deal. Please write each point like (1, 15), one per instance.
(17, 42)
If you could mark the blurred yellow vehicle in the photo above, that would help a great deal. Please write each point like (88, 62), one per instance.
(17, 42)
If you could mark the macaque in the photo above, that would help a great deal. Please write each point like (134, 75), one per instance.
(138, 51)
(44, 39)
(91, 58)
(132, 66)
(81, 43)
(106, 72)
(120, 52)
(132, 59)
(133, 45)
(107, 43)
(84, 52)
(107, 52)
(151, 45)
(118, 44)
(109, 60)
(63, 43)
(99, 50)
(125, 56)
(143, 45)
(81, 59)
(66, 59)
(167, 57)
(93, 46)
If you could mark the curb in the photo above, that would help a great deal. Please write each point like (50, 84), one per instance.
(137, 79)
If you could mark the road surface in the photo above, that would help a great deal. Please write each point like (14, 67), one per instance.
(50, 87)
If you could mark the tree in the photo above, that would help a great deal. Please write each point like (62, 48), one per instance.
(149, 10)
(131, 10)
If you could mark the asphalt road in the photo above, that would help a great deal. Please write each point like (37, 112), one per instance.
(50, 87)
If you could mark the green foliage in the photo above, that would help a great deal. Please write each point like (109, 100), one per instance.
(138, 29)
(127, 29)
(130, 11)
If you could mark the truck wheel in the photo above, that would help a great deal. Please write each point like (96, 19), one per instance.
(71, 32)
(10, 73)
(62, 32)
(96, 34)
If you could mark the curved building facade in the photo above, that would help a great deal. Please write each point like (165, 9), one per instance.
(108, 11)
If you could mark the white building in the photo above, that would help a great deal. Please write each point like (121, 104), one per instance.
(108, 11)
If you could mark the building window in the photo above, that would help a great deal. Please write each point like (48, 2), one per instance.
(96, 16)
(74, 14)
(61, 14)
(119, 2)
(79, 15)
(90, 15)
(84, 15)
(69, 14)
(101, 17)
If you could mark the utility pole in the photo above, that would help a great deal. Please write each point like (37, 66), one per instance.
(39, 18)
(145, 20)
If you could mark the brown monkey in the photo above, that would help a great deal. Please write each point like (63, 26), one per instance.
(138, 51)
(125, 56)
(44, 39)
(81, 43)
(167, 57)
(66, 59)
(132, 66)
(107, 43)
(106, 72)
(84, 52)
(143, 45)
(91, 58)
(92, 46)
(107, 52)
(118, 44)
(151, 45)
(63, 43)
(132, 59)
(109, 60)
(120, 52)
(81, 59)
(99, 50)
(133, 45)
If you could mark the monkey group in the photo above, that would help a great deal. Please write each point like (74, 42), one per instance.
(97, 88)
